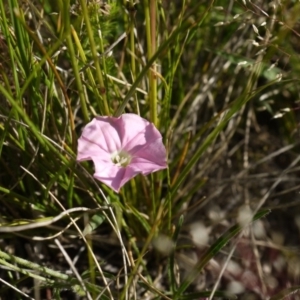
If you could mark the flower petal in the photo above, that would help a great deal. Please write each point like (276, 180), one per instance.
(138, 134)
(86, 150)
(154, 152)
(102, 132)
(145, 167)
(111, 175)
(133, 126)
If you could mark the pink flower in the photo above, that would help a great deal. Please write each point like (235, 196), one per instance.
(121, 148)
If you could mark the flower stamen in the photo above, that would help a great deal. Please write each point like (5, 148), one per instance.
(121, 159)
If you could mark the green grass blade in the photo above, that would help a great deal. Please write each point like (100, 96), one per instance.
(171, 267)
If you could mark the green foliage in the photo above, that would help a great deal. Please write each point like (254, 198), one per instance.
(202, 72)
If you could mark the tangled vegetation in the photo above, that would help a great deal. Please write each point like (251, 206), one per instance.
(219, 80)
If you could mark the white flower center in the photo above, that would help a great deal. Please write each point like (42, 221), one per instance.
(121, 158)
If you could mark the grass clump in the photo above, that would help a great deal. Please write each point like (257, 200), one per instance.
(219, 81)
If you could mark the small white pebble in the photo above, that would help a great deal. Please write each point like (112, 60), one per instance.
(244, 216)
(219, 24)
(163, 244)
(277, 116)
(199, 234)
(259, 229)
(235, 287)
(234, 268)
(255, 29)
(241, 26)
